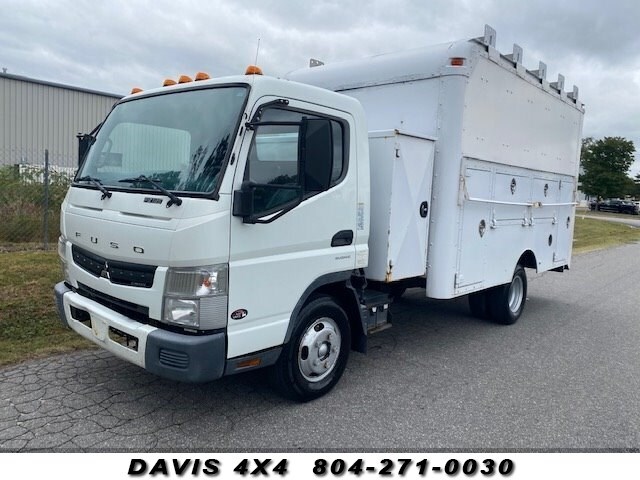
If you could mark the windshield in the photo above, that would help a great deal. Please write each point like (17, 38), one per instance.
(179, 140)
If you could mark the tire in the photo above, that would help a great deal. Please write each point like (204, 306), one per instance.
(506, 302)
(478, 304)
(313, 361)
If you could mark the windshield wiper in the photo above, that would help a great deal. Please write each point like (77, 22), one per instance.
(173, 198)
(96, 181)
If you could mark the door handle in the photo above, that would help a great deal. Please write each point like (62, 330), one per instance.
(342, 238)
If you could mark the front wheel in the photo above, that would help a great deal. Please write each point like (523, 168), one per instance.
(314, 359)
(506, 302)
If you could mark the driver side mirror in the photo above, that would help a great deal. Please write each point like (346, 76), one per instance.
(316, 154)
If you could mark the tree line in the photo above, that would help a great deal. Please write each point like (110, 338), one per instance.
(605, 168)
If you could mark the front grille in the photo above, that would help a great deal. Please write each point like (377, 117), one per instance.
(171, 358)
(128, 309)
(119, 273)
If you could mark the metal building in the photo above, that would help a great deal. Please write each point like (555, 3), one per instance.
(36, 115)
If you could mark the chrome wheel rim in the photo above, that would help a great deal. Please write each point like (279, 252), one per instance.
(319, 349)
(516, 294)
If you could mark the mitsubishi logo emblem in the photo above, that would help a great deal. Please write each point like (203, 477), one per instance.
(105, 271)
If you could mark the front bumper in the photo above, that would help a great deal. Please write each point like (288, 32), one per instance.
(167, 354)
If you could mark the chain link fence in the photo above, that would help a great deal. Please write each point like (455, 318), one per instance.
(31, 193)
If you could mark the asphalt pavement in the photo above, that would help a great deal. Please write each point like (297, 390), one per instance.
(565, 377)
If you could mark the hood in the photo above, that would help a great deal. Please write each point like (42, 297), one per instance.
(139, 228)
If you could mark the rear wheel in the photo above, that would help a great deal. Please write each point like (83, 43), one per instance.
(314, 359)
(506, 302)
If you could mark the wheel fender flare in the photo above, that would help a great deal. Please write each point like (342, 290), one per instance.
(359, 335)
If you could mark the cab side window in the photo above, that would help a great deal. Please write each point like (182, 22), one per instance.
(273, 159)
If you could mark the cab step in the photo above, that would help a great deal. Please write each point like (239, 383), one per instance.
(375, 307)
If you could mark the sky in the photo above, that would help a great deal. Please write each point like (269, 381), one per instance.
(115, 45)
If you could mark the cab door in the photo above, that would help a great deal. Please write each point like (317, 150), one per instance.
(294, 236)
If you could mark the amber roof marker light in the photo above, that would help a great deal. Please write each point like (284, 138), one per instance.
(202, 76)
(135, 90)
(184, 79)
(253, 70)
(168, 82)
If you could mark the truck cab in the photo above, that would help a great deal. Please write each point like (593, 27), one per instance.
(208, 214)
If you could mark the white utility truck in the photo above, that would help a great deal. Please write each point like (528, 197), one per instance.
(222, 225)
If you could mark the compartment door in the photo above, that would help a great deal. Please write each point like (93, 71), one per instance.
(410, 207)
(401, 175)
(566, 220)
(476, 224)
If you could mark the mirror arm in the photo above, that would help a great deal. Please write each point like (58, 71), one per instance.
(244, 210)
(279, 214)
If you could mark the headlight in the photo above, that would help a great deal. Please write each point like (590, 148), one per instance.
(62, 253)
(197, 297)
